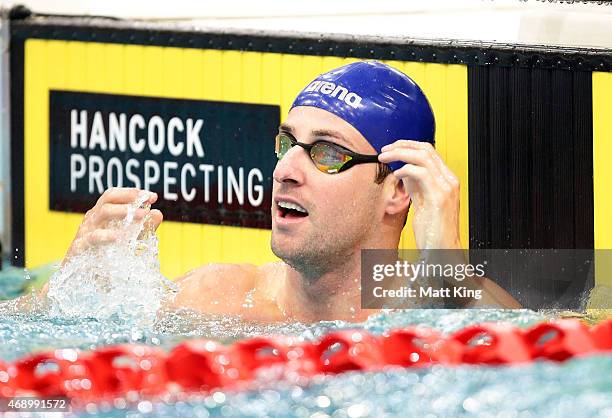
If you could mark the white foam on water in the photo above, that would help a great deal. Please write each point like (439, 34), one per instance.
(121, 279)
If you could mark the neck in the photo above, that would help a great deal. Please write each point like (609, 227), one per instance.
(332, 294)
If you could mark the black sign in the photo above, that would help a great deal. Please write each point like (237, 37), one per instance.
(209, 162)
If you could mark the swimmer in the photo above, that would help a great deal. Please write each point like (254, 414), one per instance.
(355, 153)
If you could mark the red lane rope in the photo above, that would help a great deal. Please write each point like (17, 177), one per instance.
(204, 365)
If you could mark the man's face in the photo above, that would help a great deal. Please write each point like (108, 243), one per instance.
(342, 209)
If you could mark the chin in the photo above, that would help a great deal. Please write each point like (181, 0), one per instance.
(289, 251)
(281, 248)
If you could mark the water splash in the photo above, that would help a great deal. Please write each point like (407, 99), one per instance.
(119, 280)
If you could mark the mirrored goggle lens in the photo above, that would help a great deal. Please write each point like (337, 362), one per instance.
(283, 144)
(327, 158)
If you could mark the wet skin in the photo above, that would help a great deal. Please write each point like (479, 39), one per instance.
(319, 276)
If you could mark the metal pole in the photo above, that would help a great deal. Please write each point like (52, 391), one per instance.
(5, 143)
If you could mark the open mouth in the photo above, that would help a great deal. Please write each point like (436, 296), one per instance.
(290, 210)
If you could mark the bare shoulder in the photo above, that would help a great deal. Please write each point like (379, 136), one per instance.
(220, 272)
(232, 289)
(271, 271)
(216, 287)
(270, 279)
(493, 295)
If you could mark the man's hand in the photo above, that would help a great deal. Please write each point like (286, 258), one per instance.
(433, 190)
(111, 206)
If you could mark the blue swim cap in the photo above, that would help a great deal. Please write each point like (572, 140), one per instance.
(382, 103)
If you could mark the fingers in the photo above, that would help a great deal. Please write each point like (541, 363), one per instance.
(415, 182)
(106, 232)
(114, 204)
(115, 212)
(155, 219)
(450, 176)
(123, 195)
(435, 192)
(100, 222)
(414, 173)
(151, 223)
(90, 239)
(406, 143)
(422, 154)
(420, 170)
(418, 157)
(102, 236)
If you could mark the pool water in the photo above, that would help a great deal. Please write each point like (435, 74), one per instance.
(581, 387)
(98, 301)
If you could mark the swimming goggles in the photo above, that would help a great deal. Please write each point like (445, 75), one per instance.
(328, 157)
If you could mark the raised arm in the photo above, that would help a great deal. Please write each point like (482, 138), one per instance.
(96, 229)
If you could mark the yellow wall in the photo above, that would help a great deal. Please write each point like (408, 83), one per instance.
(602, 174)
(233, 76)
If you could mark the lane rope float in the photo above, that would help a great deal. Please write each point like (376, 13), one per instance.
(204, 365)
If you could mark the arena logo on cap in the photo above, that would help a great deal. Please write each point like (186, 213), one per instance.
(333, 90)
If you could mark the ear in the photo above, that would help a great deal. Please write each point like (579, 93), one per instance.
(397, 199)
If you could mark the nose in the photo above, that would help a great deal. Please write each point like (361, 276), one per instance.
(291, 168)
